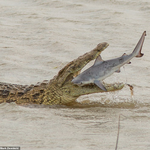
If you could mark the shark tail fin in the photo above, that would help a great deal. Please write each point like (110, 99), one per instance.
(139, 54)
(138, 48)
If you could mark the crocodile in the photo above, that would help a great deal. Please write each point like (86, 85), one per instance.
(59, 90)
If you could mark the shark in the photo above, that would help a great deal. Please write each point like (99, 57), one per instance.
(102, 69)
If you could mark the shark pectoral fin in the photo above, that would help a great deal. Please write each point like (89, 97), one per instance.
(98, 60)
(100, 85)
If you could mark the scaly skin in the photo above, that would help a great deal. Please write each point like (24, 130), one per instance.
(59, 90)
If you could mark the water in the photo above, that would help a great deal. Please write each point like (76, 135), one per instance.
(39, 37)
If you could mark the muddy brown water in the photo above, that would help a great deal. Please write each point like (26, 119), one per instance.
(39, 37)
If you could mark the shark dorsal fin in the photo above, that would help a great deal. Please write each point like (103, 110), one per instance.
(98, 60)
(124, 54)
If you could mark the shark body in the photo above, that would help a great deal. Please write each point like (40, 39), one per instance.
(102, 69)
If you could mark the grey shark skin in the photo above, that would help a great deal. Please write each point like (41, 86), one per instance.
(102, 69)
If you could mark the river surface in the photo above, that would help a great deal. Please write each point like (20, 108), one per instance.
(39, 37)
